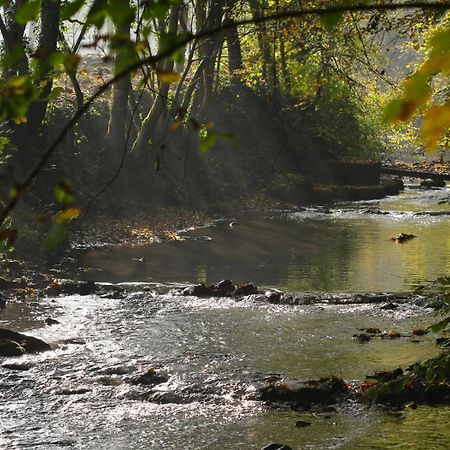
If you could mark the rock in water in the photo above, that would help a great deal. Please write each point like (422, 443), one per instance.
(302, 424)
(16, 344)
(149, 378)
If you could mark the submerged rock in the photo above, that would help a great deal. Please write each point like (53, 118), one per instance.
(16, 344)
(17, 366)
(362, 337)
(302, 424)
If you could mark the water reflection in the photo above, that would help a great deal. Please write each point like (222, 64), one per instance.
(341, 249)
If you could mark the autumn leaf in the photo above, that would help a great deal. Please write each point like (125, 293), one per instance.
(168, 77)
(67, 215)
(436, 122)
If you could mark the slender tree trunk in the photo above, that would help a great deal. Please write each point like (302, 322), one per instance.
(159, 106)
(14, 37)
(118, 122)
(48, 40)
(234, 54)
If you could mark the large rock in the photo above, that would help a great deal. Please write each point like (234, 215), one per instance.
(323, 391)
(16, 344)
(70, 287)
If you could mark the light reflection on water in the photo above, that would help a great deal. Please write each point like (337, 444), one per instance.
(221, 346)
(224, 348)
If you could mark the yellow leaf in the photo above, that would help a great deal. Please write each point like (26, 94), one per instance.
(18, 81)
(169, 77)
(436, 122)
(175, 125)
(67, 215)
(416, 89)
(140, 46)
(19, 120)
(435, 64)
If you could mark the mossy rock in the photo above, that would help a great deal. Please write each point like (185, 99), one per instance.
(16, 344)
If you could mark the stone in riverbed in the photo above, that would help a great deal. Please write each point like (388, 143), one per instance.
(49, 321)
(323, 391)
(362, 337)
(302, 424)
(246, 289)
(225, 287)
(16, 344)
(70, 287)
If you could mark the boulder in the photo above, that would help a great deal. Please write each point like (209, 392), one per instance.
(16, 344)
(70, 287)
(246, 289)
(323, 391)
(225, 287)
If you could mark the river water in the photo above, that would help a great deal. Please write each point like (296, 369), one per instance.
(216, 352)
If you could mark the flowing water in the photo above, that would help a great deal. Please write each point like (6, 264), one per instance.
(217, 351)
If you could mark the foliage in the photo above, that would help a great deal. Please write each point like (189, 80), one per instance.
(426, 90)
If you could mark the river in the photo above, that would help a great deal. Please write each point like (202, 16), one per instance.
(218, 351)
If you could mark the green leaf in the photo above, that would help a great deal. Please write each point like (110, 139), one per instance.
(63, 192)
(392, 110)
(208, 141)
(442, 325)
(54, 94)
(55, 236)
(56, 60)
(440, 42)
(330, 20)
(70, 62)
(98, 13)
(156, 9)
(120, 12)
(28, 12)
(71, 8)
(168, 41)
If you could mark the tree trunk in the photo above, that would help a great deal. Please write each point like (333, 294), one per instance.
(47, 45)
(234, 54)
(118, 121)
(159, 106)
(14, 38)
